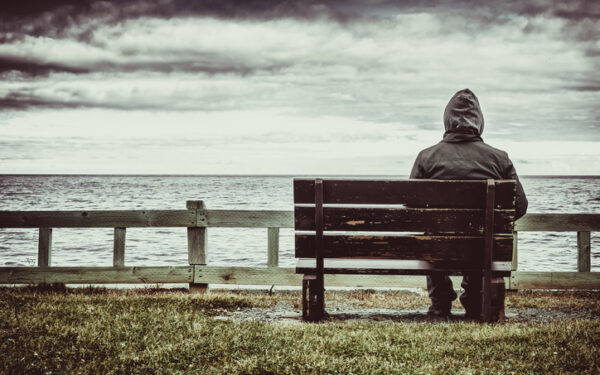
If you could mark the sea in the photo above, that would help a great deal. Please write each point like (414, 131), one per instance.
(538, 251)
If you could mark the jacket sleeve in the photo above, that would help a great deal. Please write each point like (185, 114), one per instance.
(417, 170)
(521, 200)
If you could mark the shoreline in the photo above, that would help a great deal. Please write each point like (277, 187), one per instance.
(301, 175)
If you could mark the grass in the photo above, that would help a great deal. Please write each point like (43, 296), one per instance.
(91, 331)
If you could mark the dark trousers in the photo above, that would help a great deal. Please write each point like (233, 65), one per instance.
(442, 293)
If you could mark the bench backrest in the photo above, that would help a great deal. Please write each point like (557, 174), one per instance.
(334, 214)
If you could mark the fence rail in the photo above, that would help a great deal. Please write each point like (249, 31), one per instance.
(197, 218)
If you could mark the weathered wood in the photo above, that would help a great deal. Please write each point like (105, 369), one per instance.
(246, 275)
(95, 275)
(414, 193)
(584, 256)
(268, 276)
(199, 209)
(195, 205)
(555, 280)
(420, 247)
(250, 219)
(242, 219)
(317, 287)
(44, 247)
(394, 267)
(273, 247)
(308, 310)
(197, 243)
(288, 276)
(515, 256)
(486, 301)
(313, 308)
(558, 223)
(119, 248)
(530, 280)
(148, 218)
(197, 239)
(498, 295)
(575, 280)
(90, 219)
(432, 220)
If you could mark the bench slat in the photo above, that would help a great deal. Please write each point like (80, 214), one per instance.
(415, 193)
(98, 219)
(393, 267)
(434, 220)
(468, 250)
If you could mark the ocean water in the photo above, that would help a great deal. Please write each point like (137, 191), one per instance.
(538, 251)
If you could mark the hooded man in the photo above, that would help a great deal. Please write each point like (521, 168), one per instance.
(462, 155)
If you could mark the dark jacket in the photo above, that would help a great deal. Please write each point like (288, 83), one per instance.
(462, 154)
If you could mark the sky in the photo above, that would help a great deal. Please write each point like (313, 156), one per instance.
(292, 87)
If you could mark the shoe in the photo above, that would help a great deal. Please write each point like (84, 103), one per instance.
(439, 313)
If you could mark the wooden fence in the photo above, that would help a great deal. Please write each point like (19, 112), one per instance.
(198, 274)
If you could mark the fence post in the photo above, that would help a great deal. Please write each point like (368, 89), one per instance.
(584, 252)
(197, 243)
(119, 247)
(44, 247)
(273, 247)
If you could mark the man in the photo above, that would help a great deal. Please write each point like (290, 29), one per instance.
(462, 155)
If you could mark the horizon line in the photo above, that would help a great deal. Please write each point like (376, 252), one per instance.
(247, 175)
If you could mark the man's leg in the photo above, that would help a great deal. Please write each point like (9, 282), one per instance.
(441, 293)
(471, 297)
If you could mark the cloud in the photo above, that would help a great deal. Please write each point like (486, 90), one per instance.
(36, 68)
(249, 141)
(397, 69)
(345, 78)
(595, 87)
(238, 37)
(79, 19)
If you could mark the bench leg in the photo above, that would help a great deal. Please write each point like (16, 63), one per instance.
(486, 297)
(312, 299)
(498, 295)
(495, 300)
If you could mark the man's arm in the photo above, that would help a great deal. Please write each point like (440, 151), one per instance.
(521, 202)
(416, 171)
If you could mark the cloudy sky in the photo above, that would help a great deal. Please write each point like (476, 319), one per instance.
(293, 87)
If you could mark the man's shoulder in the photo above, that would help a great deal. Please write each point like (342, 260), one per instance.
(493, 149)
(431, 149)
(480, 145)
(443, 150)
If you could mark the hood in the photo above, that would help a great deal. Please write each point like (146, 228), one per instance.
(463, 113)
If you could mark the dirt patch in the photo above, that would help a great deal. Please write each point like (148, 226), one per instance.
(286, 311)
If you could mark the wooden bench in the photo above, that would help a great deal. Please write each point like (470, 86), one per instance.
(429, 226)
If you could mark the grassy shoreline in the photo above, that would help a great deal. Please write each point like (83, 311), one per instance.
(97, 330)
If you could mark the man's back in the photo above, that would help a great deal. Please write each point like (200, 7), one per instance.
(473, 160)
(462, 155)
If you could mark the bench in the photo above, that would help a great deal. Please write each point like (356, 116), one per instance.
(426, 227)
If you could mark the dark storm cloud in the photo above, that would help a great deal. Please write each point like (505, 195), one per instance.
(590, 87)
(53, 18)
(36, 68)
(48, 49)
(298, 8)
(79, 22)
(217, 66)
(38, 17)
(16, 100)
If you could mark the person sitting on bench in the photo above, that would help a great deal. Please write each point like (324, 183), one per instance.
(462, 155)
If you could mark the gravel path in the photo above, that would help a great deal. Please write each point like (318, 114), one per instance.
(284, 312)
